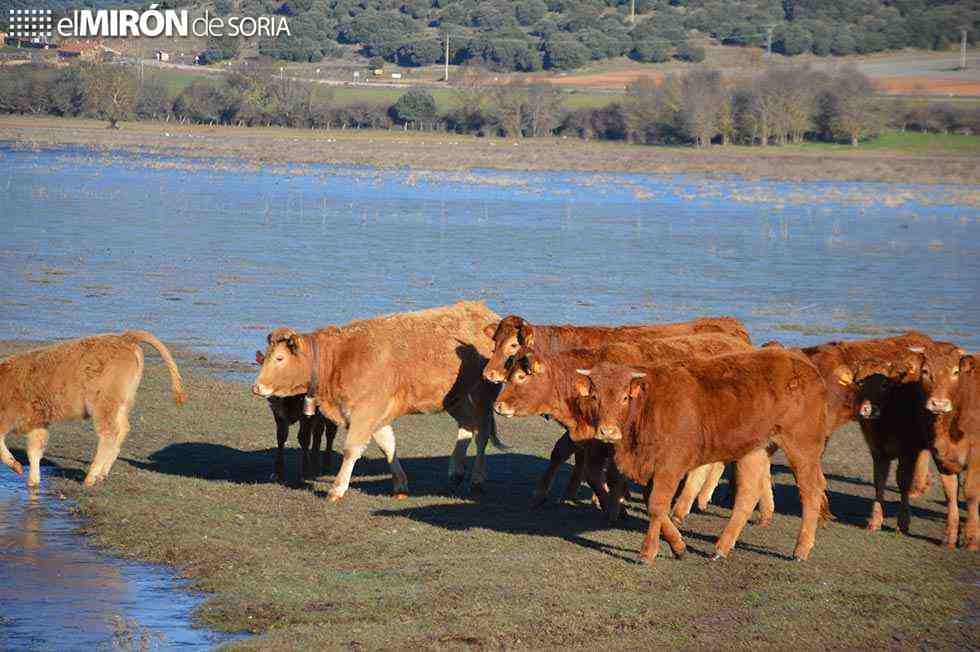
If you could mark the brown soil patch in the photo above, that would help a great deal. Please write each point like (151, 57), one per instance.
(928, 86)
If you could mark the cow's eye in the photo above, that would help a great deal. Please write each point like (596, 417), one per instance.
(956, 371)
(626, 398)
(279, 358)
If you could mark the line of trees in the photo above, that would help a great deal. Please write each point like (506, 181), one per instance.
(701, 107)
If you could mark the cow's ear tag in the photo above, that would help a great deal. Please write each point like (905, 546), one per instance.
(309, 406)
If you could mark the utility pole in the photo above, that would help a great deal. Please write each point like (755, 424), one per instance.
(769, 29)
(632, 12)
(447, 58)
(962, 48)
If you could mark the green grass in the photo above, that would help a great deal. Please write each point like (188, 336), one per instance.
(909, 142)
(191, 488)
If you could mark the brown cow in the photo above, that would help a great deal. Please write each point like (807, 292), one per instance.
(369, 372)
(94, 377)
(951, 380)
(513, 333)
(665, 421)
(537, 386)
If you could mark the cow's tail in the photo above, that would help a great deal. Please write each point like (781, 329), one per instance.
(180, 397)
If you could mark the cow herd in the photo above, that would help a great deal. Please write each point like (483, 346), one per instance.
(664, 405)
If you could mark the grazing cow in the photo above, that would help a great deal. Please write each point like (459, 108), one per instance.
(665, 421)
(94, 377)
(287, 410)
(369, 372)
(538, 385)
(951, 381)
(513, 333)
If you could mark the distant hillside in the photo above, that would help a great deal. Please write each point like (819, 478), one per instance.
(529, 35)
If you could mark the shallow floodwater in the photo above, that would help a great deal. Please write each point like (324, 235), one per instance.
(212, 254)
(58, 593)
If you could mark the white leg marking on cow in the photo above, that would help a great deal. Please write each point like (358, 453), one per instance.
(457, 463)
(36, 441)
(342, 482)
(385, 438)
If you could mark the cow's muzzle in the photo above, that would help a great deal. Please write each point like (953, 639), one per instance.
(939, 405)
(503, 409)
(262, 391)
(868, 410)
(493, 376)
(608, 433)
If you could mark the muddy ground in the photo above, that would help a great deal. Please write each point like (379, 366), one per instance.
(442, 151)
(192, 488)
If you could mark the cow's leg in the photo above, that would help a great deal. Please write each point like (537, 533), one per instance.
(906, 469)
(560, 452)
(665, 483)
(303, 437)
(805, 462)
(313, 468)
(922, 479)
(971, 489)
(693, 482)
(751, 471)
(951, 487)
(358, 435)
(710, 484)
(882, 467)
(457, 462)
(37, 439)
(580, 468)
(479, 474)
(282, 433)
(6, 456)
(767, 502)
(330, 430)
(385, 438)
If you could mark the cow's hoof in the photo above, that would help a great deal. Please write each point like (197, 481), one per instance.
(764, 521)
(400, 495)
(798, 558)
(477, 489)
(31, 484)
(679, 554)
(949, 545)
(919, 489)
(647, 560)
(335, 498)
(719, 557)
(455, 481)
(972, 547)
(17, 467)
(873, 527)
(537, 500)
(677, 520)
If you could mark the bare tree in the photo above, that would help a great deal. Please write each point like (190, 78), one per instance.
(701, 92)
(110, 92)
(851, 109)
(507, 104)
(543, 109)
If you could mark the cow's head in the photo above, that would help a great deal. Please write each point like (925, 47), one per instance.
(873, 393)
(509, 335)
(613, 391)
(943, 366)
(286, 365)
(529, 389)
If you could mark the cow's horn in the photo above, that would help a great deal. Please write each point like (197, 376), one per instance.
(917, 349)
(584, 372)
(638, 374)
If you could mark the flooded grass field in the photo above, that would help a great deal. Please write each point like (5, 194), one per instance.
(210, 254)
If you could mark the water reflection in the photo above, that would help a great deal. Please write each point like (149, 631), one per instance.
(58, 593)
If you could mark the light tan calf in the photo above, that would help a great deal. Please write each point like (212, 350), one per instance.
(93, 377)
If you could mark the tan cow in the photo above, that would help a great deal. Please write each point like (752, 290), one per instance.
(369, 372)
(94, 377)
